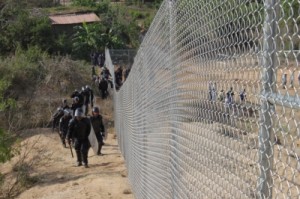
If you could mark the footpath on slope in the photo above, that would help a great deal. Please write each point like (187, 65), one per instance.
(59, 178)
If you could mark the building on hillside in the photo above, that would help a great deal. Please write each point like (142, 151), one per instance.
(65, 23)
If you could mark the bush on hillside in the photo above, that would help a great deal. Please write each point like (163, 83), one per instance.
(103, 7)
(32, 81)
(6, 149)
(88, 3)
(42, 3)
(23, 29)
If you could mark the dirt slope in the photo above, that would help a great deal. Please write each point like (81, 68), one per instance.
(59, 178)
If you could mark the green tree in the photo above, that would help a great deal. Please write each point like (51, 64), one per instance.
(122, 28)
(89, 3)
(288, 21)
(93, 37)
(42, 3)
(103, 7)
(20, 28)
(111, 40)
(86, 39)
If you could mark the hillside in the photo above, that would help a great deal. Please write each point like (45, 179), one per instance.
(49, 172)
(39, 68)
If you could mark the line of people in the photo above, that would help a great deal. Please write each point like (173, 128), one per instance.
(75, 127)
(227, 98)
(121, 74)
(76, 130)
(97, 59)
(284, 80)
(83, 99)
(105, 79)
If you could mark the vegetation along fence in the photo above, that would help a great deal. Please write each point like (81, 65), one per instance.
(211, 106)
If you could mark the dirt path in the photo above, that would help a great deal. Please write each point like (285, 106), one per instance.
(60, 178)
(55, 172)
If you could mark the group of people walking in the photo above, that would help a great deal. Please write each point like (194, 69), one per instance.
(73, 123)
(228, 97)
(104, 79)
(284, 80)
(78, 131)
(75, 127)
(97, 59)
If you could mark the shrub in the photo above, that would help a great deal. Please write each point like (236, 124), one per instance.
(137, 15)
(6, 150)
(88, 3)
(103, 7)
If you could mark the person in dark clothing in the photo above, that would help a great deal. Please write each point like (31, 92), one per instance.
(59, 113)
(93, 71)
(78, 94)
(94, 58)
(127, 71)
(88, 98)
(75, 93)
(105, 74)
(243, 95)
(118, 77)
(101, 59)
(56, 117)
(75, 105)
(78, 132)
(84, 100)
(90, 95)
(231, 93)
(65, 105)
(92, 55)
(103, 86)
(81, 96)
(97, 125)
(63, 126)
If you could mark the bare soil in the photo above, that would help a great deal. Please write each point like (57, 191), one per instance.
(58, 177)
(55, 173)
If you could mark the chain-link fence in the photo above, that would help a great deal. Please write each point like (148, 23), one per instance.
(122, 57)
(211, 106)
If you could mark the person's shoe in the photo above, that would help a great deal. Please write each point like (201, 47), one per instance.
(86, 166)
(99, 154)
(79, 164)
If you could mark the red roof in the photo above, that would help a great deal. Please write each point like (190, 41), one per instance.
(74, 19)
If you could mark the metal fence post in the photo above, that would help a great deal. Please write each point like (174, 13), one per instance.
(265, 181)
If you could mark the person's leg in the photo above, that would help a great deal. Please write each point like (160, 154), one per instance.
(103, 93)
(84, 152)
(54, 124)
(111, 83)
(100, 144)
(78, 146)
(86, 109)
(63, 138)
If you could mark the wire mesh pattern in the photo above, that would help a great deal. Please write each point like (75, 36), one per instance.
(122, 57)
(211, 106)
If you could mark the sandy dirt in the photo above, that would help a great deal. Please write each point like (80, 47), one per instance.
(58, 177)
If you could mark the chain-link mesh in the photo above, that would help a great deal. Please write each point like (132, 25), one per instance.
(123, 58)
(211, 106)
